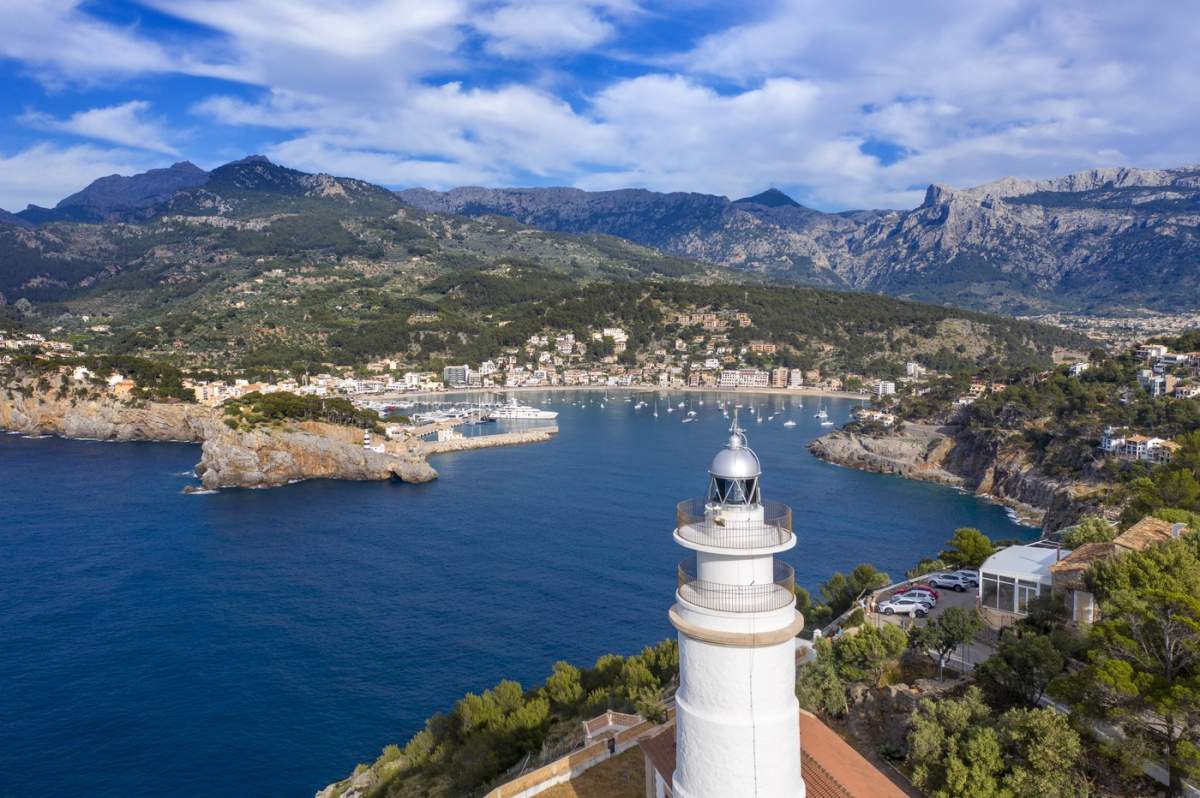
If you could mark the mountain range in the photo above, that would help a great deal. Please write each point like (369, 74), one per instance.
(1098, 241)
(1102, 240)
(258, 266)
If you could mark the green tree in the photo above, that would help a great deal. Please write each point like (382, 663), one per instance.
(564, 687)
(1188, 456)
(1144, 674)
(958, 749)
(1042, 754)
(818, 686)
(1020, 670)
(1090, 529)
(953, 750)
(967, 549)
(841, 591)
(943, 634)
(867, 655)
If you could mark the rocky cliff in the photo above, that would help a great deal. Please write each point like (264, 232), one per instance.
(968, 460)
(264, 457)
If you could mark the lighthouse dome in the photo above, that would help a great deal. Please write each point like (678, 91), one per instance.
(735, 461)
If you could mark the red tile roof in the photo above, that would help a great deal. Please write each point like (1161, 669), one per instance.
(830, 766)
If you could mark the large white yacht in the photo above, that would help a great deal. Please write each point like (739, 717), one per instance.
(513, 409)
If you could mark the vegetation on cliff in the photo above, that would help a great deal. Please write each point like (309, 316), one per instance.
(153, 379)
(462, 752)
(256, 409)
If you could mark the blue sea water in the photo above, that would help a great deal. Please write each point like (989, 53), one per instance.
(262, 642)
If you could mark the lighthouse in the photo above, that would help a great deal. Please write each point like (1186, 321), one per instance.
(737, 718)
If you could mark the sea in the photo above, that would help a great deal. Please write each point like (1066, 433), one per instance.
(263, 642)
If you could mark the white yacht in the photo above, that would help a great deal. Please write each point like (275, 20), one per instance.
(512, 409)
(789, 423)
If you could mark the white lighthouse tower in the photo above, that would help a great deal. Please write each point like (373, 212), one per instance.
(737, 718)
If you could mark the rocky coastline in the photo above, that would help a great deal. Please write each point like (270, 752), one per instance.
(259, 458)
(971, 461)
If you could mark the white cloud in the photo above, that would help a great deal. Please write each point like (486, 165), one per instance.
(56, 37)
(540, 28)
(964, 93)
(125, 124)
(44, 173)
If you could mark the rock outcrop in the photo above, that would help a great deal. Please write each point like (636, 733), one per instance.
(264, 457)
(271, 457)
(972, 461)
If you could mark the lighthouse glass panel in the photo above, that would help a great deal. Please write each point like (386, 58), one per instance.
(733, 491)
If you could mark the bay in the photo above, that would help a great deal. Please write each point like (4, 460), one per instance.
(262, 642)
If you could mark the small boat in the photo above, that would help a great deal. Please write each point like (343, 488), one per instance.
(681, 404)
(826, 423)
(670, 409)
(691, 413)
(821, 414)
(789, 423)
(688, 420)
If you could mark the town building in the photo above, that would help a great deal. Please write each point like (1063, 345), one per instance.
(885, 388)
(457, 376)
(779, 377)
(1156, 384)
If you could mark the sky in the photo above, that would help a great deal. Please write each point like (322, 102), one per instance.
(841, 104)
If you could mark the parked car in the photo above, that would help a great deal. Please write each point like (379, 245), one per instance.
(969, 574)
(920, 595)
(954, 581)
(904, 606)
(926, 589)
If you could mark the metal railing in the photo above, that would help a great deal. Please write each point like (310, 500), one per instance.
(695, 526)
(764, 597)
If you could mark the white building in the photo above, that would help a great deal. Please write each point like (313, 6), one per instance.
(914, 370)
(457, 376)
(1012, 577)
(1078, 368)
(737, 718)
(885, 388)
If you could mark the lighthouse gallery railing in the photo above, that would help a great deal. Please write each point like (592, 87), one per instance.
(769, 596)
(695, 526)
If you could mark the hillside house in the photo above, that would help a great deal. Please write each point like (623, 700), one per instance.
(1068, 574)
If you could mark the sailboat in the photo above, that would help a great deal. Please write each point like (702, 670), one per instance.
(821, 414)
(656, 408)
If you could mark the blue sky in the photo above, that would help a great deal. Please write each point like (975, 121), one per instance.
(843, 105)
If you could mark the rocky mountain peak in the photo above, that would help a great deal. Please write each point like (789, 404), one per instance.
(771, 198)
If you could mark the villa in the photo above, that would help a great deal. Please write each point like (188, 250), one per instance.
(1068, 574)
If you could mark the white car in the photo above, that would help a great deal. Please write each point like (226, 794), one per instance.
(905, 606)
(920, 595)
(954, 581)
